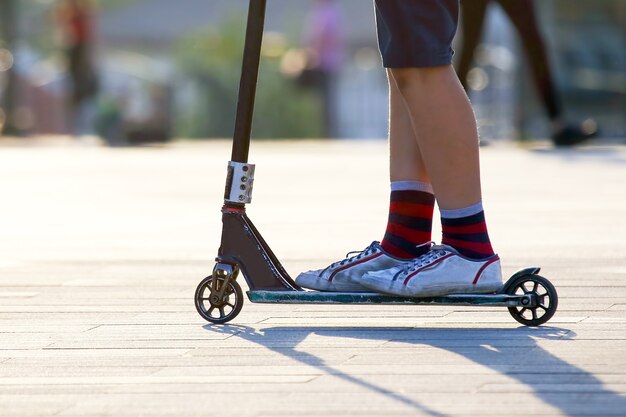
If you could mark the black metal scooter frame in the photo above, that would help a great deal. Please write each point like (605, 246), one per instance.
(242, 245)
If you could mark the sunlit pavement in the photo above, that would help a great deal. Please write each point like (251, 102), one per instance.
(101, 250)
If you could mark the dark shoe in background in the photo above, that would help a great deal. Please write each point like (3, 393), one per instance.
(572, 135)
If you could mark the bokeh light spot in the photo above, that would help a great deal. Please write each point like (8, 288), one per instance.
(6, 60)
(477, 79)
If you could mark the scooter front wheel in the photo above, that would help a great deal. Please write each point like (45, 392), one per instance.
(218, 300)
(543, 295)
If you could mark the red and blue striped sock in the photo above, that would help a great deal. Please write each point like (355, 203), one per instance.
(466, 231)
(410, 219)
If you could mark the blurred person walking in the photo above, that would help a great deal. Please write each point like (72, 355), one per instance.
(523, 15)
(324, 40)
(76, 21)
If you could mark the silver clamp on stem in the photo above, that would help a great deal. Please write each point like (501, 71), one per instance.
(239, 183)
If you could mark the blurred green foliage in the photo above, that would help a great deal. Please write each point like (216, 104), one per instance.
(213, 60)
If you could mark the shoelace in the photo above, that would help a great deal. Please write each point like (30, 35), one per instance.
(429, 257)
(355, 255)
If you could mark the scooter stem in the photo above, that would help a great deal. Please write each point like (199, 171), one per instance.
(248, 82)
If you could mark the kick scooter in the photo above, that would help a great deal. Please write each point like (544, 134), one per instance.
(531, 299)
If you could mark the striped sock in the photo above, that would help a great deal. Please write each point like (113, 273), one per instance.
(410, 219)
(466, 231)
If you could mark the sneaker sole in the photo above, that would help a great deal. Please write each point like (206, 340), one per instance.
(440, 290)
(436, 290)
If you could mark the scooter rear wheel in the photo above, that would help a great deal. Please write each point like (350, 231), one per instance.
(215, 307)
(545, 298)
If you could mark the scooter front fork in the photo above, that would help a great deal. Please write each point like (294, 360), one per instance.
(228, 273)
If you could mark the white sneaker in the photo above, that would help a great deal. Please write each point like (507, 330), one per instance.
(344, 276)
(441, 271)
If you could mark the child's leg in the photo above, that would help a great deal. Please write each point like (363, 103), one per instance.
(449, 146)
(433, 136)
(446, 132)
(410, 212)
(415, 39)
(406, 163)
(412, 202)
(447, 138)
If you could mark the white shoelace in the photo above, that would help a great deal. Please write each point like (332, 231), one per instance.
(355, 255)
(435, 252)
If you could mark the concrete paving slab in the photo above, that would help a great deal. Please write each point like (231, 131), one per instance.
(101, 250)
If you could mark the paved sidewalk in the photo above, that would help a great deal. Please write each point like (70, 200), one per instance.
(101, 250)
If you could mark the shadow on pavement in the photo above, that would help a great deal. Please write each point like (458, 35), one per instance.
(569, 388)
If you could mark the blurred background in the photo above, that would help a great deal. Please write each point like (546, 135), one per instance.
(142, 71)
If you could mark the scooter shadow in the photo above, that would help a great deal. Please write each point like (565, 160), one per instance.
(491, 348)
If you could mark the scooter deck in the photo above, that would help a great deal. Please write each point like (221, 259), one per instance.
(317, 297)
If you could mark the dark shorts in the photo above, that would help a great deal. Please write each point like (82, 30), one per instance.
(416, 33)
